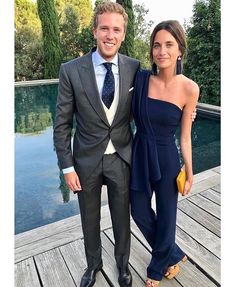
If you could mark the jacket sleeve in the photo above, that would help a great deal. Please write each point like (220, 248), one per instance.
(64, 120)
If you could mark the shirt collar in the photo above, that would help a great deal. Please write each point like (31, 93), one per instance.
(98, 60)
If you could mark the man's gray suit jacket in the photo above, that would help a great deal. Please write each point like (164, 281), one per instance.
(78, 95)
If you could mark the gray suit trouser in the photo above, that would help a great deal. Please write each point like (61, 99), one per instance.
(115, 173)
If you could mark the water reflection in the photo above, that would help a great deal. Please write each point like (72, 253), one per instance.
(38, 177)
(34, 113)
(34, 108)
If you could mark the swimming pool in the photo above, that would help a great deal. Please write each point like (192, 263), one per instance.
(40, 194)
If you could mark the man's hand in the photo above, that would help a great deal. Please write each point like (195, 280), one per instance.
(194, 114)
(72, 181)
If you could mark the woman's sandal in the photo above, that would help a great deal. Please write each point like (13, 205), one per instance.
(151, 283)
(172, 271)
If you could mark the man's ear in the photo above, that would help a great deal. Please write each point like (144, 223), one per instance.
(94, 32)
(124, 37)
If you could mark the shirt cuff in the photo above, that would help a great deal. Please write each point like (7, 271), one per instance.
(68, 169)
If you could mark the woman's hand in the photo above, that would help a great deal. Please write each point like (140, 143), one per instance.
(187, 187)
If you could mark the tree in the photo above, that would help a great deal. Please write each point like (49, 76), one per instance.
(83, 8)
(142, 35)
(70, 34)
(28, 42)
(86, 40)
(127, 47)
(51, 38)
(26, 15)
(28, 55)
(203, 59)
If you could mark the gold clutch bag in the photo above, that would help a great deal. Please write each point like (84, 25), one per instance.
(181, 179)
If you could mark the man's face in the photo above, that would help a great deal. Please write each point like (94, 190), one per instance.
(109, 34)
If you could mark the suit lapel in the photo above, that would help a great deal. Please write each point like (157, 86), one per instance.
(87, 76)
(123, 85)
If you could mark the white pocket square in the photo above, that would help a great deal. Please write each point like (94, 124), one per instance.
(131, 89)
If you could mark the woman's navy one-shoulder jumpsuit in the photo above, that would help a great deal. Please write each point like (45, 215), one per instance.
(155, 166)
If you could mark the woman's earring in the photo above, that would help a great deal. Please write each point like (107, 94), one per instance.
(179, 65)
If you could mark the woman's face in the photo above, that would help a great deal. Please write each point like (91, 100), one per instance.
(165, 50)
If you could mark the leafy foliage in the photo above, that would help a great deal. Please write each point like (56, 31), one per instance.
(83, 8)
(28, 55)
(86, 40)
(142, 35)
(70, 34)
(26, 15)
(51, 38)
(28, 42)
(203, 59)
(74, 20)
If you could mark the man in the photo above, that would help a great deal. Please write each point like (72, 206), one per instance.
(99, 95)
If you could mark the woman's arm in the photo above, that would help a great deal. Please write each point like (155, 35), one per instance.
(192, 95)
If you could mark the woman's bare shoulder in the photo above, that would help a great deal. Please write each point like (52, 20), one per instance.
(191, 88)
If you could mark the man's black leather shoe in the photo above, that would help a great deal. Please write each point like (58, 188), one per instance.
(125, 278)
(89, 277)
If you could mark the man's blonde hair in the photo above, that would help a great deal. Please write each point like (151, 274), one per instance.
(109, 7)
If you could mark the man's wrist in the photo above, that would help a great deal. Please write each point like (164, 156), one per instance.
(68, 170)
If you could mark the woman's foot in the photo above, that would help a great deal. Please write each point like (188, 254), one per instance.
(185, 258)
(172, 271)
(151, 283)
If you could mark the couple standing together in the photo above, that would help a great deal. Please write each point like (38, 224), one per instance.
(102, 89)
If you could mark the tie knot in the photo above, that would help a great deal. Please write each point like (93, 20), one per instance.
(108, 66)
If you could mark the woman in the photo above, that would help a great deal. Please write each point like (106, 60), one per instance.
(163, 99)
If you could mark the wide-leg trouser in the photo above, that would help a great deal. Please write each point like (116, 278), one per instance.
(115, 173)
(158, 227)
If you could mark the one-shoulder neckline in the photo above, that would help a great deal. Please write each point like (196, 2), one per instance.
(166, 102)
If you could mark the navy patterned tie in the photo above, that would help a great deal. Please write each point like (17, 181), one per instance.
(108, 88)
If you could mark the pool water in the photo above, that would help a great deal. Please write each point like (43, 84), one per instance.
(41, 197)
